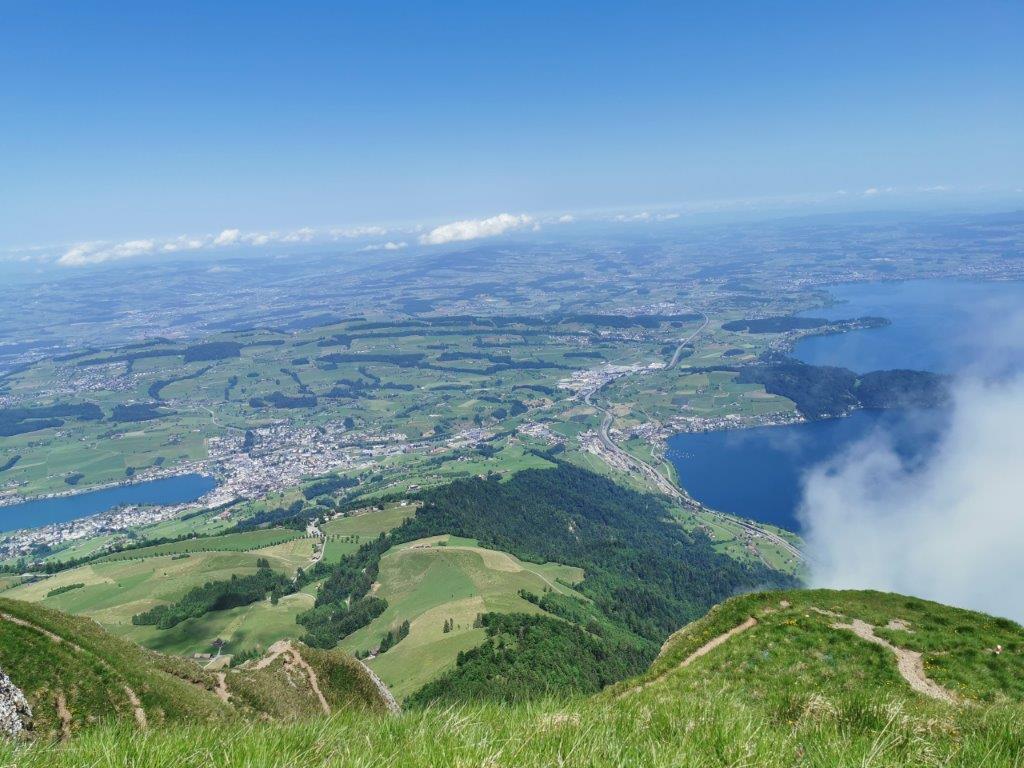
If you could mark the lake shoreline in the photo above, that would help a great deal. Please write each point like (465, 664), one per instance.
(138, 479)
(112, 508)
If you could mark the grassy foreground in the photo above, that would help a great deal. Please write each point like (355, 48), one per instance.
(795, 688)
(706, 731)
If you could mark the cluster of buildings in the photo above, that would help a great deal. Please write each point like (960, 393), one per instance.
(248, 466)
(656, 432)
(540, 432)
(586, 382)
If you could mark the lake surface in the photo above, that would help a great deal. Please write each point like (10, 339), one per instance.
(946, 326)
(179, 489)
(757, 472)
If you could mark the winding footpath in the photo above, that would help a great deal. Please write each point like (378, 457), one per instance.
(63, 713)
(292, 656)
(909, 663)
(704, 650)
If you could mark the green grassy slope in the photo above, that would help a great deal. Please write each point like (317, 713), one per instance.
(434, 580)
(117, 588)
(797, 645)
(75, 676)
(52, 656)
(791, 690)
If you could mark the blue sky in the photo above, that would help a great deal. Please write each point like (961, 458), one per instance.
(133, 121)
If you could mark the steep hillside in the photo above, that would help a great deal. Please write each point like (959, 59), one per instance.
(836, 643)
(76, 675)
(798, 678)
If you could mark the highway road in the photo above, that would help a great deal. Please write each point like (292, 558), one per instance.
(661, 482)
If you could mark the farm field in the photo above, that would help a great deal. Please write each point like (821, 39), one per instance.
(344, 535)
(229, 542)
(115, 590)
(434, 580)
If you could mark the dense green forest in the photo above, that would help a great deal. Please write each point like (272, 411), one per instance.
(643, 570)
(532, 656)
(793, 323)
(17, 421)
(213, 350)
(821, 391)
(138, 412)
(281, 400)
(774, 324)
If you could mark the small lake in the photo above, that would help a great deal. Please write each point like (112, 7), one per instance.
(179, 489)
(946, 326)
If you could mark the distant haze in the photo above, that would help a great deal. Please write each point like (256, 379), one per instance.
(951, 530)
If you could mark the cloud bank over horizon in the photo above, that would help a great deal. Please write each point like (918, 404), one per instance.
(949, 531)
(99, 251)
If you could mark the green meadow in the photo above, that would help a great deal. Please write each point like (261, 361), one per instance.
(431, 581)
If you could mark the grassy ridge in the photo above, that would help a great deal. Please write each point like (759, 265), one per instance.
(791, 691)
(67, 662)
(52, 654)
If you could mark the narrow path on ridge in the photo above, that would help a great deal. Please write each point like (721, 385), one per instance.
(705, 649)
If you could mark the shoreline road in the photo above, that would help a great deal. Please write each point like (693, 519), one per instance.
(631, 463)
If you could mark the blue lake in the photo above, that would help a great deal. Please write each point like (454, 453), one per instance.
(946, 326)
(756, 473)
(169, 490)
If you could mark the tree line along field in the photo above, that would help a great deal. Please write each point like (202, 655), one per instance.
(114, 590)
(115, 587)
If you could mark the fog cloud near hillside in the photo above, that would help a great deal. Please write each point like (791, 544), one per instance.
(951, 530)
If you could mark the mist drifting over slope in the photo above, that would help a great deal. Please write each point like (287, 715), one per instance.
(950, 530)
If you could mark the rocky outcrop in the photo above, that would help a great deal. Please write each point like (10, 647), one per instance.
(15, 713)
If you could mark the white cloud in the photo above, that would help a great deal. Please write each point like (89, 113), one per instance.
(646, 216)
(471, 229)
(949, 531)
(184, 243)
(350, 232)
(388, 246)
(303, 235)
(566, 218)
(82, 253)
(98, 252)
(228, 237)
(870, 192)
